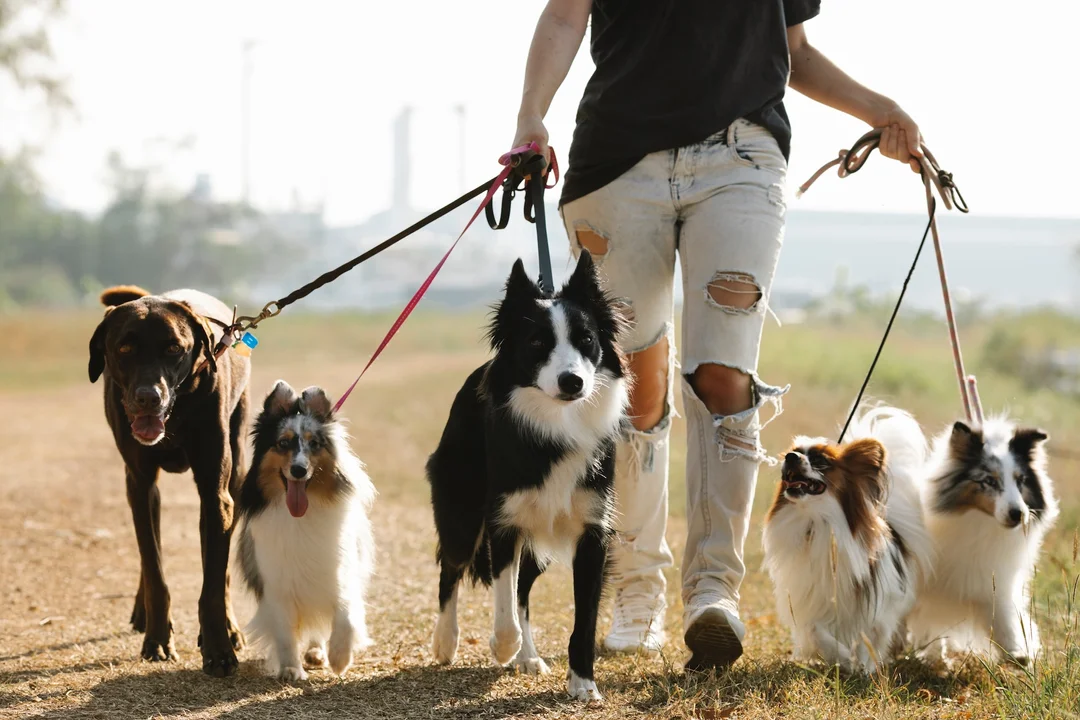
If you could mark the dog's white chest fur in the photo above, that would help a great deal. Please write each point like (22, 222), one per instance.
(557, 512)
(310, 566)
(554, 514)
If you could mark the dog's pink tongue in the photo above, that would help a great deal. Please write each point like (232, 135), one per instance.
(148, 427)
(296, 498)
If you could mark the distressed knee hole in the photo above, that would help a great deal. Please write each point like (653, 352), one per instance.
(648, 396)
(591, 240)
(739, 444)
(733, 292)
(723, 390)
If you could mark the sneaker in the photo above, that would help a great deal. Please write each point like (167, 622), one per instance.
(638, 624)
(714, 635)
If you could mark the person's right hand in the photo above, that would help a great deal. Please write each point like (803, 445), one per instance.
(531, 129)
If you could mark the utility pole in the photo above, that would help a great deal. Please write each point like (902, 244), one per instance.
(245, 123)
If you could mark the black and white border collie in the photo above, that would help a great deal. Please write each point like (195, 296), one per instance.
(989, 503)
(306, 550)
(524, 472)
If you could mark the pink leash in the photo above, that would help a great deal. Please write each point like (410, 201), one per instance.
(509, 161)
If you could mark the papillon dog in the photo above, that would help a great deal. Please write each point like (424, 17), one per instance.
(524, 472)
(306, 550)
(989, 503)
(845, 541)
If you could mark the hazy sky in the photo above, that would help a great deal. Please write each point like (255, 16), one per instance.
(993, 85)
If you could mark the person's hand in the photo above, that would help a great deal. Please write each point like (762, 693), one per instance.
(900, 137)
(531, 129)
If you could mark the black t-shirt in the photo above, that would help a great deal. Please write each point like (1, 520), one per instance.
(670, 73)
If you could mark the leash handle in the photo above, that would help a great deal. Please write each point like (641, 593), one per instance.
(933, 177)
(510, 162)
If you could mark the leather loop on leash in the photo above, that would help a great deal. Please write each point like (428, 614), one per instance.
(933, 177)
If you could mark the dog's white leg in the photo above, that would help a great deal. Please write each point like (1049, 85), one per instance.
(830, 648)
(445, 643)
(506, 639)
(528, 660)
(342, 637)
(315, 657)
(1008, 628)
(286, 644)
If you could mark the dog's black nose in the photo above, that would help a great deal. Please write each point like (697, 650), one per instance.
(298, 471)
(792, 459)
(1015, 516)
(570, 384)
(148, 398)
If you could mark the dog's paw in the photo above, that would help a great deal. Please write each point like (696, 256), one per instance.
(505, 645)
(340, 659)
(582, 689)
(314, 658)
(531, 666)
(292, 674)
(158, 650)
(444, 643)
(220, 664)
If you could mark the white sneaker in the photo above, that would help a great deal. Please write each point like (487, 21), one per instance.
(714, 634)
(638, 624)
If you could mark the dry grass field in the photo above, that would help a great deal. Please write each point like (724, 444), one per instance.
(69, 564)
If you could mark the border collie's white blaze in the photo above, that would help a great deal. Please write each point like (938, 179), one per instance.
(989, 503)
(524, 472)
(306, 549)
(847, 606)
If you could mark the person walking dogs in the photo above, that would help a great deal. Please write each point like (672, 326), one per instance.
(680, 150)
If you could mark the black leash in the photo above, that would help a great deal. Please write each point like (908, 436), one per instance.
(530, 172)
(899, 300)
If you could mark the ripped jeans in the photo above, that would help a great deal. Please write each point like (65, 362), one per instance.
(719, 206)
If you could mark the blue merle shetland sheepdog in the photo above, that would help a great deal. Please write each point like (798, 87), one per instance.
(524, 472)
(306, 551)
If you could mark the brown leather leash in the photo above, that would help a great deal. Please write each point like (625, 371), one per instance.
(933, 178)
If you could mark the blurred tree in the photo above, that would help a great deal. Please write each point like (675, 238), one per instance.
(26, 54)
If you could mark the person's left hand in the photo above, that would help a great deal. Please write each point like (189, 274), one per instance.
(900, 137)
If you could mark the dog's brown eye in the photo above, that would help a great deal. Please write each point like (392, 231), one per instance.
(536, 343)
(174, 349)
(283, 444)
(126, 349)
(314, 445)
(1018, 476)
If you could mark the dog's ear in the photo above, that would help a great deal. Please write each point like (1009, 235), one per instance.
(204, 346)
(864, 463)
(281, 400)
(97, 347)
(520, 284)
(1025, 440)
(315, 401)
(519, 298)
(965, 444)
(584, 283)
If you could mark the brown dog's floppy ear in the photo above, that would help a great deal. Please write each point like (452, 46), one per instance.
(281, 399)
(314, 400)
(864, 461)
(204, 346)
(97, 348)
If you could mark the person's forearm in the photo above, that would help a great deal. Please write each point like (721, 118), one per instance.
(554, 45)
(815, 76)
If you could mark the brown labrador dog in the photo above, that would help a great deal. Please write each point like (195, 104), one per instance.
(172, 407)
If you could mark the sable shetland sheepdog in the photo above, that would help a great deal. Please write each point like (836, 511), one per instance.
(847, 605)
(989, 503)
(306, 549)
(524, 471)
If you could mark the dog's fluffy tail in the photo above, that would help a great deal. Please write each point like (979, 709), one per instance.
(121, 294)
